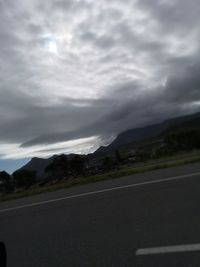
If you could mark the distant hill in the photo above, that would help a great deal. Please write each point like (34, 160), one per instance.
(38, 165)
(134, 137)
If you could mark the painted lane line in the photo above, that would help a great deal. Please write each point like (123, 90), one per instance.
(180, 177)
(169, 249)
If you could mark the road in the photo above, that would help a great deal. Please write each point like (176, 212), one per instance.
(150, 219)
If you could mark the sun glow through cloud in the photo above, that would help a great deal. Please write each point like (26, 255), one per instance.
(52, 46)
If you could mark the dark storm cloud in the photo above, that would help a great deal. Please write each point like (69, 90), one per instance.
(173, 15)
(80, 69)
(173, 99)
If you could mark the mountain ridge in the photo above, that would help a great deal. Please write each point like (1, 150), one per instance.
(135, 136)
(129, 139)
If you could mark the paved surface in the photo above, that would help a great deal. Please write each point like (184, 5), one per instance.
(107, 228)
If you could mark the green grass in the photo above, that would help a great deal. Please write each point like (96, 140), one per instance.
(125, 171)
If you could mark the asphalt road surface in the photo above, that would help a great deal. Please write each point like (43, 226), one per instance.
(150, 219)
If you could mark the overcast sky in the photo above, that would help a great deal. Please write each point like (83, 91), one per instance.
(75, 73)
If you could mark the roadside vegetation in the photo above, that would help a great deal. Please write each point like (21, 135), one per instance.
(123, 171)
(174, 149)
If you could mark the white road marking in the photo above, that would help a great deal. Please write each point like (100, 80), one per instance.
(180, 177)
(169, 249)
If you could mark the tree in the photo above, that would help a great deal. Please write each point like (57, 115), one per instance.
(183, 140)
(63, 167)
(59, 168)
(118, 156)
(108, 163)
(24, 178)
(77, 165)
(143, 156)
(6, 182)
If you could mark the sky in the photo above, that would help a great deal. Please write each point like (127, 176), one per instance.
(75, 73)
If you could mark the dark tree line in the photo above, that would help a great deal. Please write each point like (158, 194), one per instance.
(19, 179)
(64, 167)
(7, 183)
(184, 140)
(61, 167)
(24, 178)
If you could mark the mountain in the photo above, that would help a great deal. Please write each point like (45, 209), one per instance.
(127, 140)
(133, 138)
(189, 122)
(38, 165)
